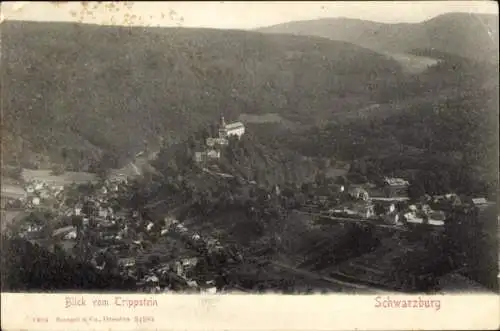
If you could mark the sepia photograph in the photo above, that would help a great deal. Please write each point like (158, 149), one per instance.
(292, 148)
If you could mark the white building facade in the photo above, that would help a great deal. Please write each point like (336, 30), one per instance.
(232, 129)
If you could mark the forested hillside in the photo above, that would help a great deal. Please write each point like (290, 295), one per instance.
(438, 127)
(73, 91)
(473, 36)
(91, 96)
(252, 158)
(452, 77)
(448, 143)
(29, 267)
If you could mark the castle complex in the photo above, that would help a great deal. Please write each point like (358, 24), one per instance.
(232, 129)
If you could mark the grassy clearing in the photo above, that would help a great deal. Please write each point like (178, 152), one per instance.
(413, 64)
(12, 190)
(268, 118)
(66, 178)
(8, 217)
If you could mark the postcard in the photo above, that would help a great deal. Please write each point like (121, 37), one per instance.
(249, 166)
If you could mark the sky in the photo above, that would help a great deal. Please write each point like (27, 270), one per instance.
(234, 15)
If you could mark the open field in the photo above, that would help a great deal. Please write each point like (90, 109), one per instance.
(263, 118)
(413, 64)
(12, 191)
(336, 172)
(67, 178)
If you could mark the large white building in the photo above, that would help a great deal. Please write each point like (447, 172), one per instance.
(232, 129)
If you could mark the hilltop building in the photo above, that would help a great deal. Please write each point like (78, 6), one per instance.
(212, 142)
(207, 155)
(232, 129)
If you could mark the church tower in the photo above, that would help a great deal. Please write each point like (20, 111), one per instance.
(222, 127)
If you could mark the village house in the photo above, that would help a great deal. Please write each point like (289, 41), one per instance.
(39, 186)
(105, 212)
(126, 262)
(78, 209)
(479, 202)
(117, 178)
(70, 235)
(34, 201)
(189, 262)
(426, 216)
(181, 228)
(394, 187)
(45, 194)
(30, 189)
(365, 210)
(389, 211)
(425, 208)
(396, 181)
(114, 187)
(210, 290)
(178, 268)
(62, 232)
(388, 205)
(170, 221)
(436, 218)
(358, 193)
(392, 218)
(213, 154)
(450, 199)
(104, 190)
(414, 217)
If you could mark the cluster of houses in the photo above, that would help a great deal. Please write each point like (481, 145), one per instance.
(391, 205)
(395, 187)
(178, 273)
(33, 194)
(116, 237)
(38, 192)
(214, 144)
(173, 276)
(94, 208)
(113, 234)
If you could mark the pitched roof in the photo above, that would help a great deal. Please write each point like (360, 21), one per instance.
(437, 215)
(63, 230)
(477, 201)
(357, 190)
(396, 181)
(234, 125)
